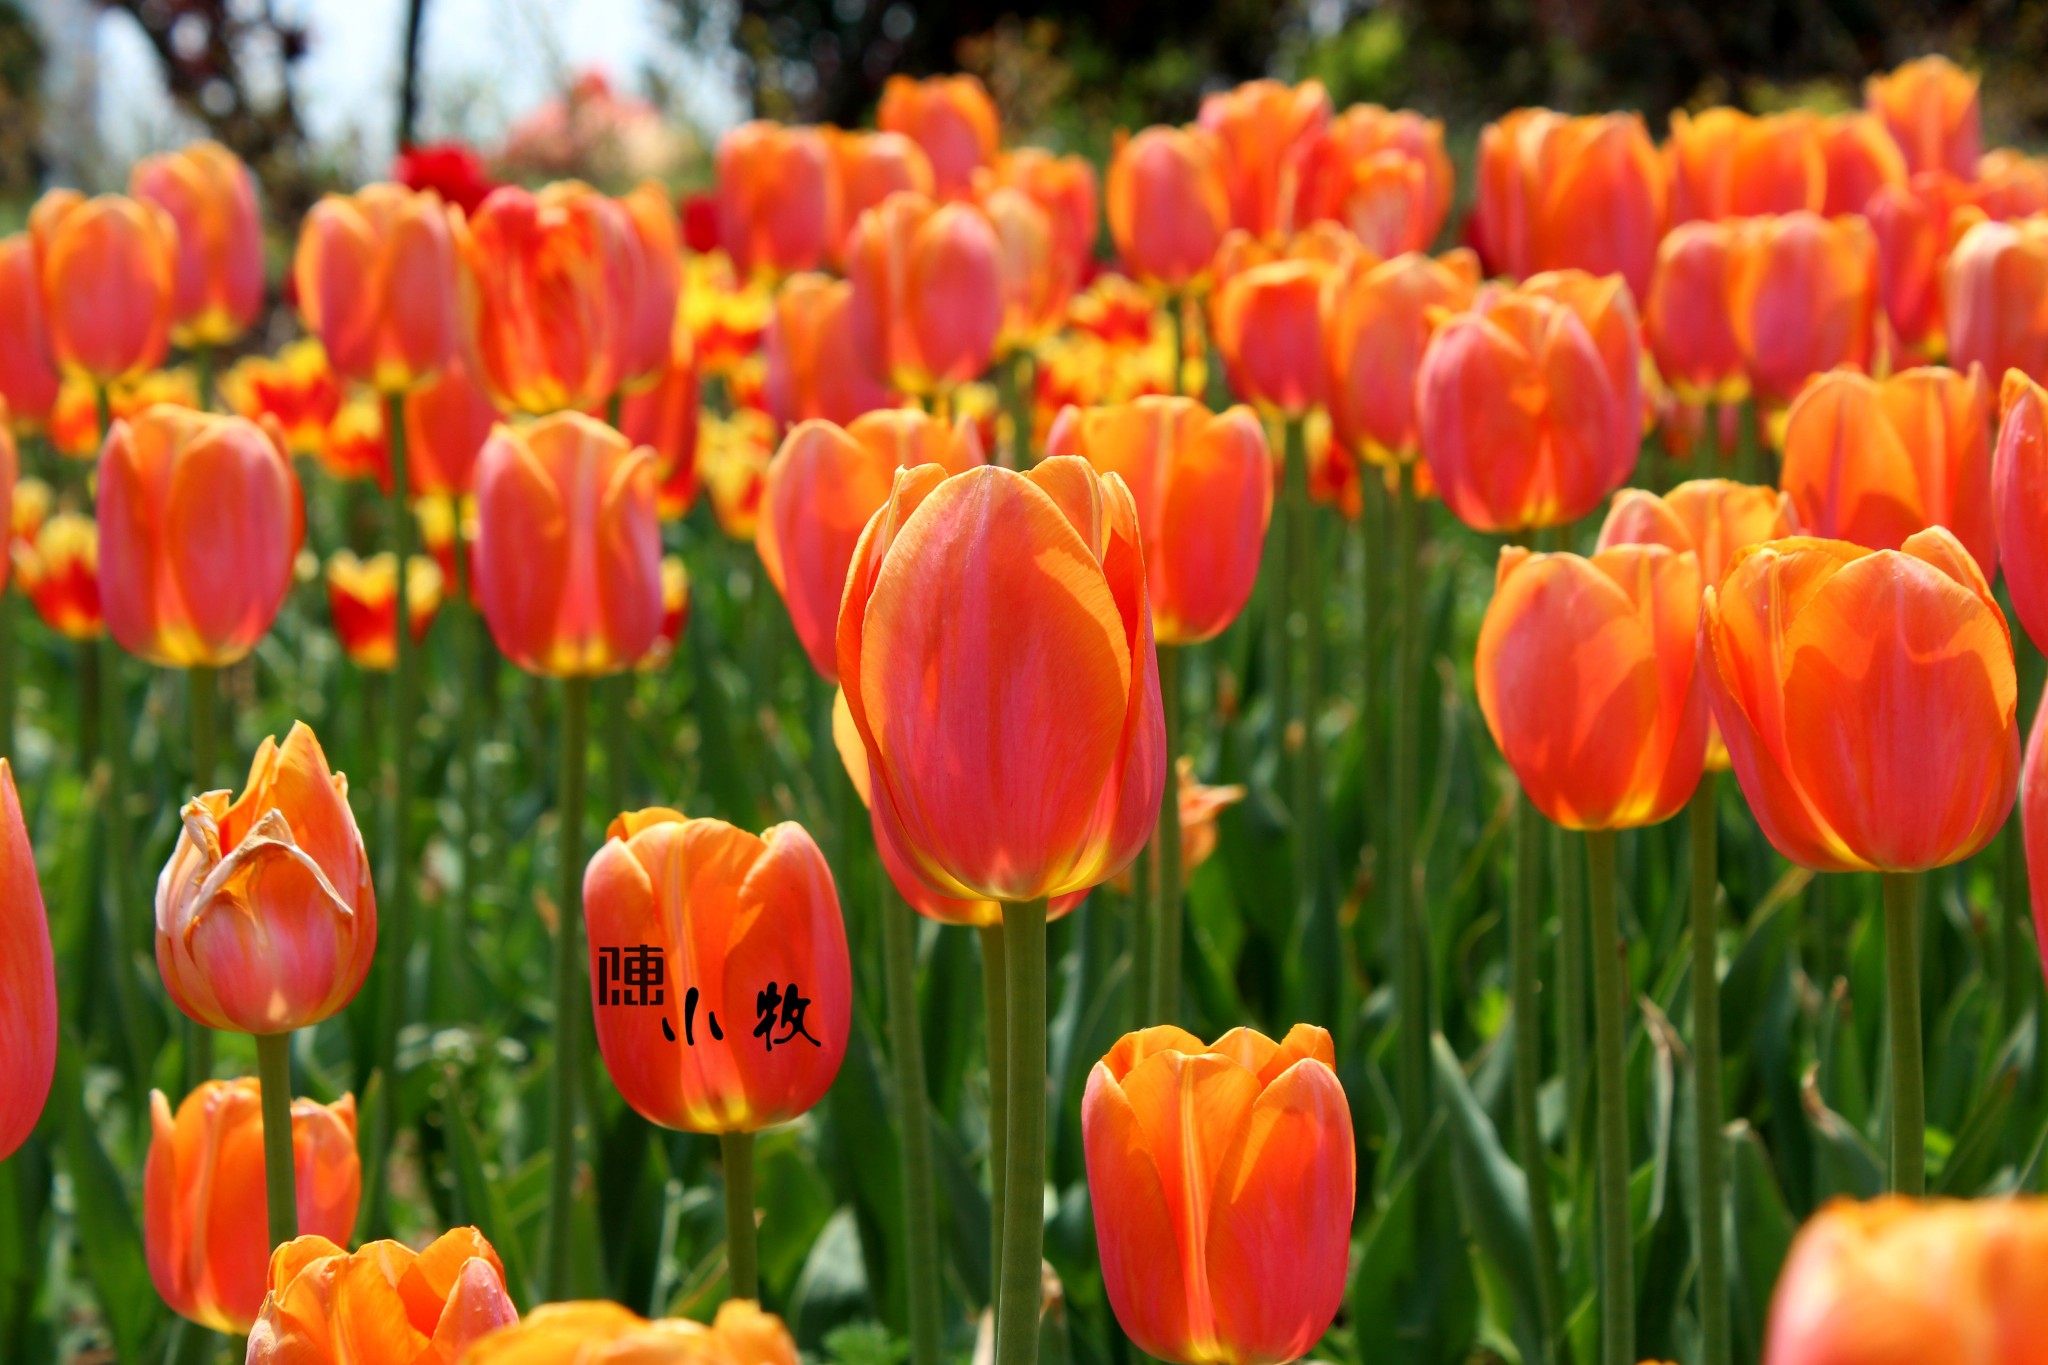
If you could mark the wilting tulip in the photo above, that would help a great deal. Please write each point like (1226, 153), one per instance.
(1050, 726)
(951, 118)
(870, 167)
(1223, 1179)
(1995, 296)
(1267, 131)
(265, 916)
(597, 1332)
(1203, 486)
(1802, 299)
(1862, 159)
(568, 546)
(59, 572)
(1586, 676)
(1900, 1282)
(2019, 499)
(107, 269)
(1518, 415)
(362, 596)
(1035, 282)
(1167, 204)
(927, 292)
(28, 375)
(1557, 192)
(823, 487)
(384, 1302)
(1874, 461)
(733, 915)
(447, 420)
(1868, 700)
(204, 1200)
(1268, 324)
(1930, 105)
(778, 197)
(211, 197)
(28, 979)
(1379, 321)
(815, 366)
(1716, 519)
(296, 387)
(200, 519)
(376, 273)
(1685, 319)
(1382, 173)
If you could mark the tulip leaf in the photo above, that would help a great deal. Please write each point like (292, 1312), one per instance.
(109, 1242)
(1763, 1231)
(1844, 1161)
(481, 1199)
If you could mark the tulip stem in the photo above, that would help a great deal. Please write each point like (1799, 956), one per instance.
(1571, 992)
(736, 1155)
(995, 995)
(1165, 1003)
(1610, 995)
(1024, 1156)
(1525, 929)
(1902, 991)
(1321, 948)
(570, 994)
(1177, 311)
(1404, 904)
(280, 1179)
(920, 1222)
(1012, 378)
(7, 675)
(1706, 1048)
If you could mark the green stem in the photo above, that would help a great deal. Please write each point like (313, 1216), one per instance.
(1372, 526)
(1571, 991)
(1610, 997)
(617, 752)
(1014, 392)
(571, 994)
(1317, 926)
(202, 696)
(1710, 1200)
(1405, 903)
(467, 626)
(280, 1177)
(995, 996)
(129, 928)
(7, 673)
(1165, 1002)
(736, 1154)
(1024, 1172)
(1902, 990)
(1526, 928)
(1177, 311)
(920, 1221)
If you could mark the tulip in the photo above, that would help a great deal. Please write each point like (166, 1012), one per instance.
(362, 596)
(2009, 184)
(1035, 283)
(1874, 462)
(28, 979)
(1268, 324)
(951, 118)
(1995, 297)
(1802, 299)
(1685, 318)
(598, 1332)
(454, 170)
(296, 387)
(59, 573)
(568, 547)
(815, 367)
(447, 420)
(654, 293)
(200, 519)
(1167, 204)
(210, 196)
(1930, 105)
(2019, 500)
(1380, 319)
(1900, 1281)
(1727, 164)
(1911, 222)
(357, 444)
(1384, 174)
(1604, 305)
(203, 1195)
(377, 284)
(1862, 159)
(1558, 192)
(107, 270)
(778, 197)
(28, 375)
(1715, 519)
(870, 167)
(666, 418)
(1063, 187)
(1267, 132)
(1223, 1179)
(1700, 158)
(822, 488)
(928, 298)
(384, 1302)
(2033, 825)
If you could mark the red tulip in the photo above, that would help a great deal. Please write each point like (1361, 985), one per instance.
(453, 170)
(447, 421)
(28, 979)
(28, 375)
(362, 596)
(1862, 159)
(2019, 500)
(1685, 319)
(58, 569)
(296, 388)
(1268, 325)
(665, 418)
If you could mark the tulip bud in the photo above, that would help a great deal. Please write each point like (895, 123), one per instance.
(927, 292)
(107, 269)
(1558, 192)
(951, 118)
(1930, 105)
(1383, 174)
(2019, 501)
(377, 284)
(1380, 319)
(815, 366)
(870, 167)
(1685, 319)
(59, 573)
(1995, 295)
(778, 197)
(588, 1332)
(362, 594)
(210, 196)
(424, 1308)
(1802, 299)
(1168, 206)
(1267, 131)
(1268, 325)
(28, 979)
(28, 375)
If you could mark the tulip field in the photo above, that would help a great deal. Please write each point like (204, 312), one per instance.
(1286, 746)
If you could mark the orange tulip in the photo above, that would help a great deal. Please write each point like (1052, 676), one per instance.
(28, 375)
(1203, 486)
(1380, 318)
(1867, 698)
(1911, 222)
(1199, 805)
(822, 488)
(2009, 184)
(2019, 501)
(1930, 105)
(447, 420)
(1700, 155)
(1873, 462)
(1995, 296)
(778, 197)
(1035, 282)
(1557, 192)
(870, 167)
(1907, 1282)
(384, 1302)
(1382, 173)
(568, 546)
(377, 284)
(1685, 319)
(1727, 164)
(200, 519)
(107, 269)
(1802, 299)
(1267, 131)
(1064, 188)
(2033, 828)
(296, 387)
(1716, 519)
(734, 915)
(815, 367)
(265, 916)
(1519, 415)
(928, 298)
(28, 979)
(1223, 1179)
(1586, 677)
(653, 290)
(1037, 770)
(59, 572)
(210, 196)
(951, 118)
(597, 1332)
(665, 418)
(675, 615)
(362, 596)
(1862, 159)
(1167, 203)
(1268, 325)
(204, 1200)
(1608, 311)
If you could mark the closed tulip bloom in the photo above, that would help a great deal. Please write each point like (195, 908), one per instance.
(1037, 770)
(1911, 222)
(362, 596)
(1167, 204)
(59, 572)
(1064, 188)
(1995, 297)
(383, 1302)
(653, 294)
(204, 1200)
(1608, 310)
(1901, 1282)
(1715, 519)
(1700, 156)
(598, 1332)
(1862, 159)
(568, 546)
(815, 365)
(376, 275)
(1802, 298)
(1930, 105)
(951, 118)
(1267, 131)
(1203, 486)
(1685, 319)
(200, 520)
(1223, 1178)
(296, 387)
(28, 979)
(1035, 282)
(2019, 501)
(265, 916)
(778, 197)
(734, 915)
(211, 197)
(1382, 173)
(447, 420)
(823, 486)
(1874, 461)
(1380, 319)
(1868, 700)
(869, 167)
(928, 299)
(1724, 163)
(1268, 324)
(1558, 192)
(2009, 184)
(107, 268)
(28, 375)
(1586, 676)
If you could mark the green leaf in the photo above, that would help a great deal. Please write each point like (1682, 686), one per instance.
(109, 1242)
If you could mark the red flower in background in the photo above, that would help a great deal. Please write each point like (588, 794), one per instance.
(454, 170)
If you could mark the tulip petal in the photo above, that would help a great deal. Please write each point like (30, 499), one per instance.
(1143, 1268)
(28, 982)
